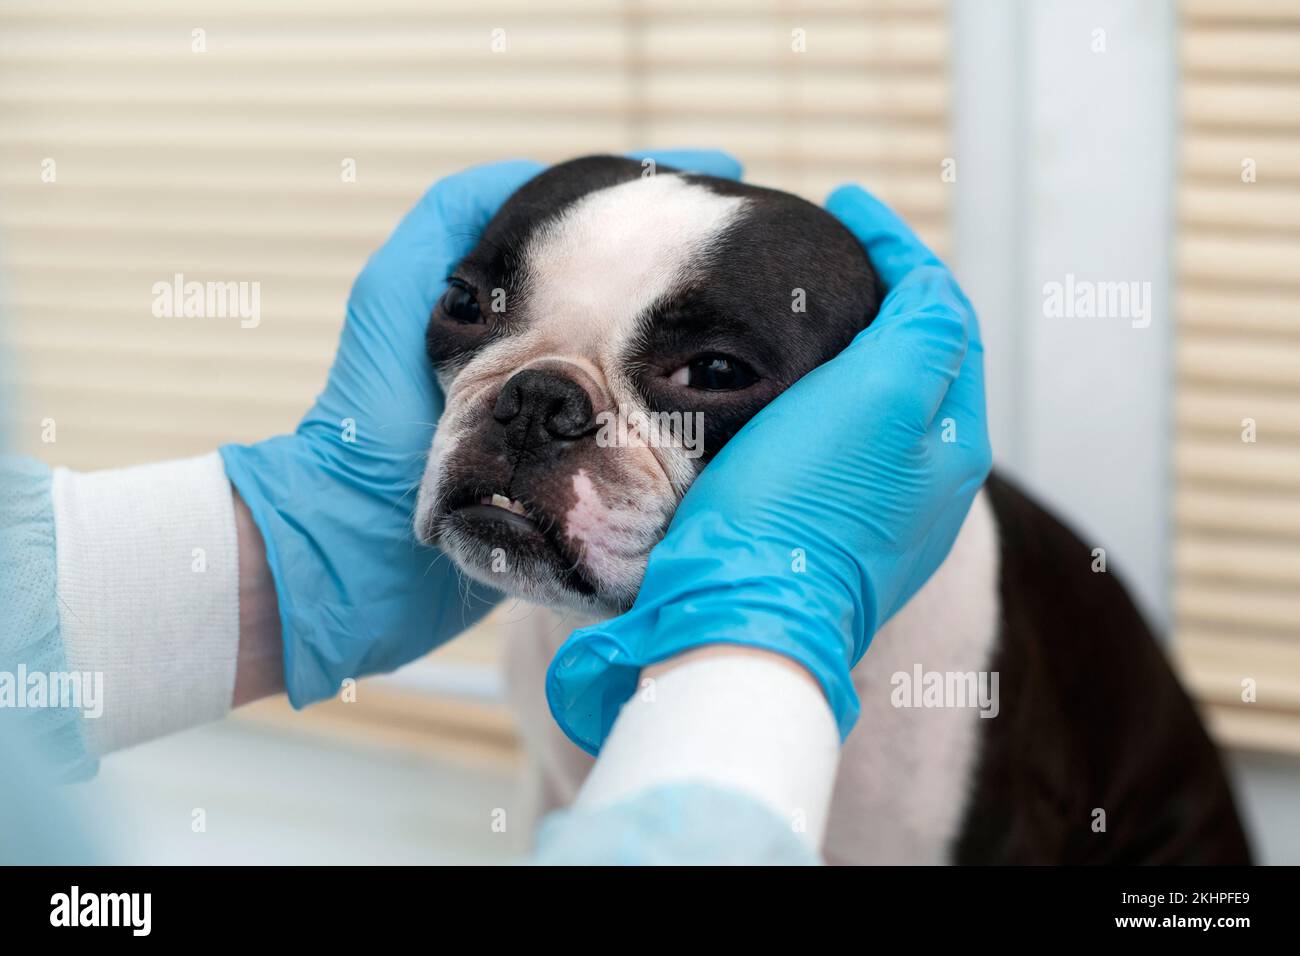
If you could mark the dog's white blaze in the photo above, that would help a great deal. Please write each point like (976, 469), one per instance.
(595, 271)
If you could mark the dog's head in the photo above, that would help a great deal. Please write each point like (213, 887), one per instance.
(610, 332)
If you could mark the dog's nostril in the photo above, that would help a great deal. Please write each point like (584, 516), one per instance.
(569, 417)
(508, 403)
(542, 406)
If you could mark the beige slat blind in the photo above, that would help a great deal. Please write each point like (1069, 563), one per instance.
(1237, 507)
(226, 165)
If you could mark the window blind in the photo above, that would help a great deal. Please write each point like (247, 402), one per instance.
(1237, 403)
(145, 139)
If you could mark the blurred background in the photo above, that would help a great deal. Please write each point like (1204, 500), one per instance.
(1030, 142)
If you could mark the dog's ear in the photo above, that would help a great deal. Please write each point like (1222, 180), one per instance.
(848, 288)
(789, 242)
(853, 277)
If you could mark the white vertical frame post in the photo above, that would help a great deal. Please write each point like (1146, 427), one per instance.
(1064, 137)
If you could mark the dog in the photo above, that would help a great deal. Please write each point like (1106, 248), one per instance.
(604, 285)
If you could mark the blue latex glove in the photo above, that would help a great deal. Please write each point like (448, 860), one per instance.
(334, 500)
(847, 471)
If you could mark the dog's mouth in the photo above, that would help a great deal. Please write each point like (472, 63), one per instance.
(496, 507)
(508, 534)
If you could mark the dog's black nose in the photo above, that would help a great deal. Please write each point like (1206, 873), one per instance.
(538, 407)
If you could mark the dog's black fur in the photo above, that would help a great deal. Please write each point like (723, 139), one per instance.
(1092, 719)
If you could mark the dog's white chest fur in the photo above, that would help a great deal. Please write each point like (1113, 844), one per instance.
(905, 773)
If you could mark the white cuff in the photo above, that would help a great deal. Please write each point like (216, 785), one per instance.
(148, 587)
(738, 722)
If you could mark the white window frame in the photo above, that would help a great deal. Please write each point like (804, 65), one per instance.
(1066, 164)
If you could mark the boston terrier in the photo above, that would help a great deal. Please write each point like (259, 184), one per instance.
(607, 287)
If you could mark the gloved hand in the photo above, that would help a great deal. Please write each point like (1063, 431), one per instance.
(334, 500)
(825, 513)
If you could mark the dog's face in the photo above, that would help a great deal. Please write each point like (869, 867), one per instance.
(610, 332)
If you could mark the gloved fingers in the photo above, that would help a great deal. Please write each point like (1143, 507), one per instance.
(463, 203)
(960, 458)
(707, 162)
(913, 351)
(960, 425)
(892, 246)
(380, 362)
(397, 289)
(411, 267)
(928, 287)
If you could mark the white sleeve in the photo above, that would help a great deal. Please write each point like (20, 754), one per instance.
(148, 591)
(736, 722)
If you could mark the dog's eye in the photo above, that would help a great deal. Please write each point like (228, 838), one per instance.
(460, 304)
(714, 373)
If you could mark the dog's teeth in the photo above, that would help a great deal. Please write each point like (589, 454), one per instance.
(507, 504)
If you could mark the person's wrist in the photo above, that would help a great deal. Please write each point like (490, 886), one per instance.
(355, 592)
(818, 629)
(601, 666)
(268, 478)
(260, 667)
